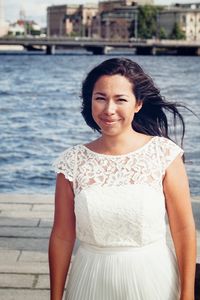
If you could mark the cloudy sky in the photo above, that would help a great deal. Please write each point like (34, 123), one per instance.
(36, 9)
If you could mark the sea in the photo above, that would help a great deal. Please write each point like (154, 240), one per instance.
(40, 111)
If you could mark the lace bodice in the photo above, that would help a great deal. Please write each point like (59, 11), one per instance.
(119, 199)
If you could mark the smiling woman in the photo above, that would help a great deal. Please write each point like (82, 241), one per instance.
(114, 194)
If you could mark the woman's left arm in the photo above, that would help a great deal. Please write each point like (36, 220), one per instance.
(181, 222)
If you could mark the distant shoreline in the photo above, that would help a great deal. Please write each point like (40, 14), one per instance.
(11, 48)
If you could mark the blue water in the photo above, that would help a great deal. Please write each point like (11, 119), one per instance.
(40, 112)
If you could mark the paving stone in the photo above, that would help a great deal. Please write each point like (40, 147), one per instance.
(28, 256)
(6, 221)
(16, 280)
(31, 256)
(27, 214)
(196, 213)
(26, 198)
(32, 244)
(9, 255)
(46, 222)
(24, 268)
(19, 294)
(24, 232)
(43, 282)
(43, 207)
(15, 207)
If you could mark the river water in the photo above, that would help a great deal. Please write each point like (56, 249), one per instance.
(40, 112)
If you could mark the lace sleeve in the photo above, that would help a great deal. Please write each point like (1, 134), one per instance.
(65, 163)
(168, 152)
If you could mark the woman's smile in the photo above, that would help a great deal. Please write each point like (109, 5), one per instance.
(109, 122)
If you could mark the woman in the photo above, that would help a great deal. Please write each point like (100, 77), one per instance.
(115, 193)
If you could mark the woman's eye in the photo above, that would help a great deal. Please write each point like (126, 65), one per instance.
(100, 98)
(122, 100)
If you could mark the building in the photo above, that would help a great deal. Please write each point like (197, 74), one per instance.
(110, 5)
(16, 29)
(3, 24)
(115, 18)
(186, 15)
(70, 20)
(115, 24)
(24, 28)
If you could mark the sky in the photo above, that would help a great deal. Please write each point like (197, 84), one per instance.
(36, 9)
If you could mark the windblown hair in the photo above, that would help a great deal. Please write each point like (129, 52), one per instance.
(152, 119)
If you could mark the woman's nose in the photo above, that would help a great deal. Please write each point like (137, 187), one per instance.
(110, 108)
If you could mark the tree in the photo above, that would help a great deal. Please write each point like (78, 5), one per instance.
(162, 34)
(147, 26)
(177, 33)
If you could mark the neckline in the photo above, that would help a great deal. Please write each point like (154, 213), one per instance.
(120, 155)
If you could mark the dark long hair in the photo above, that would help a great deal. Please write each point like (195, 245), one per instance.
(152, 119)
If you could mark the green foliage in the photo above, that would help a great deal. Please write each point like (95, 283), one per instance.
(177, 33)
(147, 23)
(35, 32)
(162, 34)
(30, 30)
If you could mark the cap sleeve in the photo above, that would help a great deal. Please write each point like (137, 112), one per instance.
(65, 163)
(168, 152)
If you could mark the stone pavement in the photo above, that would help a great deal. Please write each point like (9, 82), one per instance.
(25, 224)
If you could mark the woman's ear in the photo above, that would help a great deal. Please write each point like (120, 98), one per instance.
(138, 106)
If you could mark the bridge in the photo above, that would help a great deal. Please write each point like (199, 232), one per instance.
(102, 46)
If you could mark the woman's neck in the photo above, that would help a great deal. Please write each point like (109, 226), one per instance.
(120, 144)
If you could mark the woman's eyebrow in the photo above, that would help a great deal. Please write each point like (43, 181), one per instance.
(99, 93)
(118, 95)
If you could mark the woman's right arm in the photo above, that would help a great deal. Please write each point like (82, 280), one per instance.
(62, 237)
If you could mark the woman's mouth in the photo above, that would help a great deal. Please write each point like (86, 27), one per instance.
(109, 122)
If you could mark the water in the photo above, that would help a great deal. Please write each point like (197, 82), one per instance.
(40, 112)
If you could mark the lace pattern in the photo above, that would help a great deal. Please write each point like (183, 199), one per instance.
(146, 165)
(119, 199)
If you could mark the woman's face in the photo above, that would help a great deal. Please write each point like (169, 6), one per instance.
(114, 104)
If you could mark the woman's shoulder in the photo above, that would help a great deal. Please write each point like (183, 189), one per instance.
(168, 150)
(66, 161)
(167, 143)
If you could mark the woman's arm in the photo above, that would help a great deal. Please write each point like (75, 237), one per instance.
(181, 221)
(62, 237)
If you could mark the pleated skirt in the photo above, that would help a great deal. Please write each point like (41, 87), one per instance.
(124, 273)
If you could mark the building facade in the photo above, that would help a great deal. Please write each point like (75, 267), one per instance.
(3, 24)
(187, 16)
(116, 24)
(70, 20)
(109, 19)
(115, 17)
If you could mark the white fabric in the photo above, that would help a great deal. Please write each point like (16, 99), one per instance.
(119, 202)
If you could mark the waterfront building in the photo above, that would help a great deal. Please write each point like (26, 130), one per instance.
(187, 16)
(3, 24)
(110, 5)
(16, 29)
(70, 20)
(115, 17)
(24, 28)
(115, 24)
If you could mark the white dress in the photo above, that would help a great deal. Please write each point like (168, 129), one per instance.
(121, 224)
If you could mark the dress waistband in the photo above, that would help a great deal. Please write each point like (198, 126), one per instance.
(121, 249)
